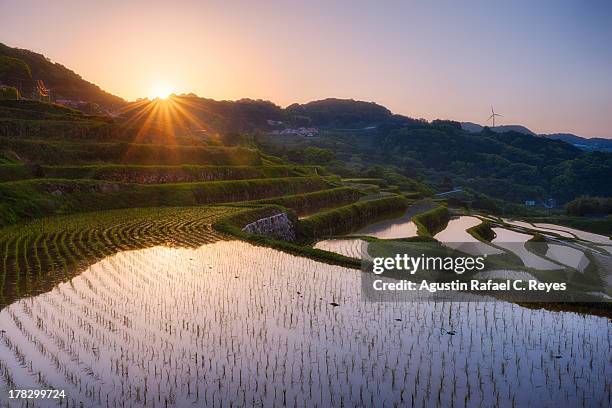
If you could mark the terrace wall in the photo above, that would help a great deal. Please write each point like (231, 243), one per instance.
(277, 226)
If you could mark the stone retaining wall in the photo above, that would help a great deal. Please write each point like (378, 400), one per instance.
(278, 226)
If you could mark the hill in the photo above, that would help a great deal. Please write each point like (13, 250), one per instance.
(192, 114)
(583, 143)
(512, 165)
(476, 128)
(338, 113)
(63, 83)
(589, 144)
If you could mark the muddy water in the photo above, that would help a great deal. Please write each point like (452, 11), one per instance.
(231, 322)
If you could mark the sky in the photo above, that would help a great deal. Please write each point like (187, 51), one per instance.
(543, 64)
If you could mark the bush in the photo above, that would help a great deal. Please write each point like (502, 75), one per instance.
(589, 205)
(9, 93)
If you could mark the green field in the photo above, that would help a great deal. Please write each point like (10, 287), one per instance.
(37, 255)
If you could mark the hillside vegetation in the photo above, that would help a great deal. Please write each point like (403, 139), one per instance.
(63, 82)
(510, 166)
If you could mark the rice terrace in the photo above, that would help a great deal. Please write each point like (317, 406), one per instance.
(175, 250)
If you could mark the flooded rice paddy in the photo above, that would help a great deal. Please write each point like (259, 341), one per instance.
(515, 242)
(587, 236)
(229, 322)
(401, 227)
(455, 236)
(353, 248)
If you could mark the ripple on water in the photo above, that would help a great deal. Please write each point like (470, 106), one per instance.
(232, 322)
(353, 248)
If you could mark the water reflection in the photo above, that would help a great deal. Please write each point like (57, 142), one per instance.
(230, 322)
(455, 236)
(514, 242)
(353, 248)
(401, 227)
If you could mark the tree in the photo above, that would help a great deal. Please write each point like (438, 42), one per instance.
(316, 155)
(16, 73)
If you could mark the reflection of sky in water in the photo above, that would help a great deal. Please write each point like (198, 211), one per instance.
(455, 236)
(353, 248)
(515, 242)
(587, 236)
(400, 227)
(235, 322)
(571, 257)
(530, 226)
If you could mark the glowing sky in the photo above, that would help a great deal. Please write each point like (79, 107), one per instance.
(543, 64)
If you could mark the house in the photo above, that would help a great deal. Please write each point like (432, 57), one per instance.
(550, 203)
(302, 131)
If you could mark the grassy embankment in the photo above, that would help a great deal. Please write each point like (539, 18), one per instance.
(56, 161)
(348, 218)
(151, 174)
(22, 200)
(598, 225)
(429, 223)
(310, 203)
(68, 152)
(482, 232)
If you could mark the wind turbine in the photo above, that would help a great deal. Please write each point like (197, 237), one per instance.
(493, 115)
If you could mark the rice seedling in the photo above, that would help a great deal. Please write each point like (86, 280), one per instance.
(159, 326)
(38, 255)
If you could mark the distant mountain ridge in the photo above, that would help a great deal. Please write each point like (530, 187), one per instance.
(583, 143)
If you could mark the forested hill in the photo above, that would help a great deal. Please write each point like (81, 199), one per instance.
(63, 83)
(339, 113)
(510, 165)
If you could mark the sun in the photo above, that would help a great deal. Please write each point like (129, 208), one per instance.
(160, 91)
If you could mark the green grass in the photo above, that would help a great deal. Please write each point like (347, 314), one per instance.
(309, 203)
(433, 221)
(348, 218)
(149, 174)
(377, 181)
(482, 232)
(22, 200)
(61, 152)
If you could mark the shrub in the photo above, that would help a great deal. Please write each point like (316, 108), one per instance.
(589, 205)
(9, 93)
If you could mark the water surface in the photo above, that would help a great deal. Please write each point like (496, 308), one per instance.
(353, 248)
(401, 227)
(232, 322)
(514, 241)
(455, 236)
